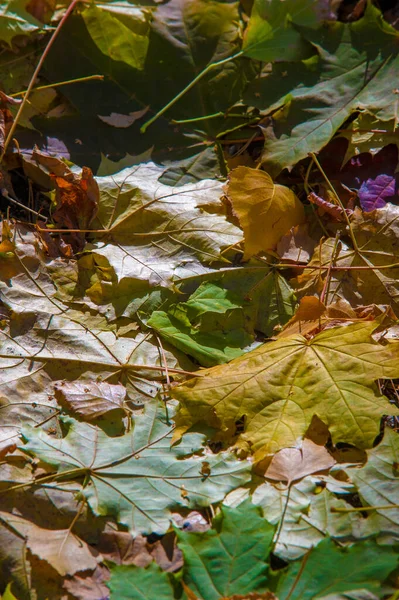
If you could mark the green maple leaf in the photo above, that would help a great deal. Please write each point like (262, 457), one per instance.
(231, 557)
(209, 326)
(329, 569)
(278, 387)
(138, 478)
(354, 70)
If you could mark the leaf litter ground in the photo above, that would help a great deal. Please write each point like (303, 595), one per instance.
(199, 344)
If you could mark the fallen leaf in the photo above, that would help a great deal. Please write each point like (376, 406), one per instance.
(277, 388)
(375, 193)
(308, 316)
(304, 510)
(296, 245)
(240, 539)
(119, 32)
(124, 471)
(331, 569)
(121, 548)
(88, 586)
(316, 97)
(63, 550)
(377, 484)
(123, 121)
(90, 400)
(291, 464)
(266, 211)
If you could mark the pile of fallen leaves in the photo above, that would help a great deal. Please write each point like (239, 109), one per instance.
(199, 356)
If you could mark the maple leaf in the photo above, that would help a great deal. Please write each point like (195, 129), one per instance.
(266, 211)
(332, 570)
(278, 387)
(376, 483)
(241, 540)
(157, 232)
(125, 471)
(306, 514)
(352, 71)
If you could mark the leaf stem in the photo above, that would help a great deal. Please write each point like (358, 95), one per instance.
(364, 508)
(188, 88)
(32, 82)
(59, 84)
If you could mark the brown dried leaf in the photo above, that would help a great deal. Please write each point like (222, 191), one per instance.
(89, 586)
(122, 548)
(296, 245)
(63, 550)
(90, 400)
(292, 464)
(307, 317)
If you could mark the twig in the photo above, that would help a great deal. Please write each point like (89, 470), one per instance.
(7, 196)
(35, 75)
(326, 289)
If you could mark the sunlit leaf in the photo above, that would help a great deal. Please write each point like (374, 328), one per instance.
(277, 388)
(265, 210)
(120, 32)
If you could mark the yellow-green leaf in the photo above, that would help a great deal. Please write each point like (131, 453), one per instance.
(277, 388)
(265, 210)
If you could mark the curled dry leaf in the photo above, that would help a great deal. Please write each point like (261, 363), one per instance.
(266, 211)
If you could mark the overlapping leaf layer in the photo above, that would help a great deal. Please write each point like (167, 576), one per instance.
(199, 266)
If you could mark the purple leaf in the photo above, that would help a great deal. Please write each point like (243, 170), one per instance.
(374, 193)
